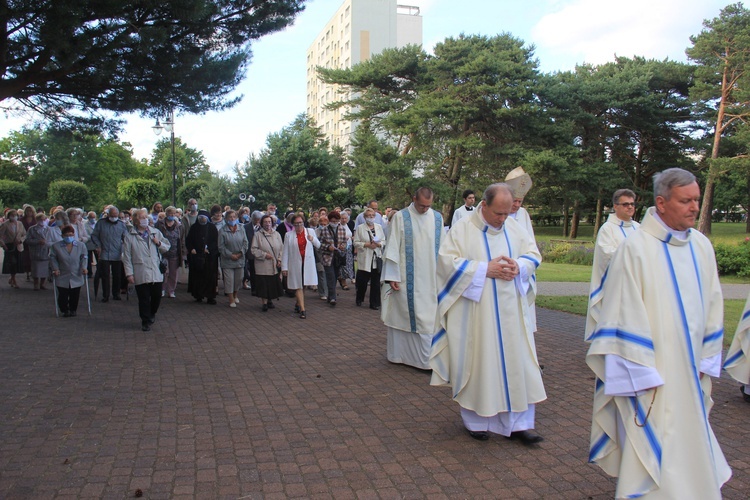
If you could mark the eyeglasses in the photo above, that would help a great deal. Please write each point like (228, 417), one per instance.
(627, 205)
(299, 224)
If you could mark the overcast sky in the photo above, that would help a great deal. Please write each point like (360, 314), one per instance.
(564, 32)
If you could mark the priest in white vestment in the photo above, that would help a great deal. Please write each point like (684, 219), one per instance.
(611, 235)
(520, 184)
(485, 349)
(656, 346)
(737, 363)
(465, 209)
(409, 289)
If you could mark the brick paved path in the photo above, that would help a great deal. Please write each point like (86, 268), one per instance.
(233, 403)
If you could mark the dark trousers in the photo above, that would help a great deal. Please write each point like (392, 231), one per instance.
(67, 299)
(149, 298)
(90, 264)
(330, 273)
(363, 277)
(249, 275)
(115, 266)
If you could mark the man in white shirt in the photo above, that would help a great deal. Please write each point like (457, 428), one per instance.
(466, 208)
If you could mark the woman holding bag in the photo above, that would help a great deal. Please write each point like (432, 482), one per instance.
(369, 241)
(267, 248)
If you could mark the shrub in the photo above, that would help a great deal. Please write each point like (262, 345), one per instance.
(566, 253)
(68, 194)
(13, 193)
(139, 192)
(733, 259)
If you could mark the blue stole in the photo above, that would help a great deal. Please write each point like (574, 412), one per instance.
(409, 252)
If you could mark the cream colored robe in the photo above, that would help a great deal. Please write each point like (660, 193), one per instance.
(409, 258)
(663, 310)
(610, 237)
(485, 350)
(524, 219)
(737, 363)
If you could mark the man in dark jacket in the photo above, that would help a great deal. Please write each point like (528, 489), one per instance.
(107, 237)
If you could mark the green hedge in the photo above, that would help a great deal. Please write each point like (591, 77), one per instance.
(566, 253)
(733, 259)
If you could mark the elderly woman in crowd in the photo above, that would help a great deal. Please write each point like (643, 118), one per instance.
(37, 242)
(172, 230)
(232, 247)
(267, 248)
(141, 254)
(68, 260)
(298, 261)
(202, 245)
(59, 220)
(28, 220)
(75, 216)
(369, 241)
(347, 269)
(12, 235)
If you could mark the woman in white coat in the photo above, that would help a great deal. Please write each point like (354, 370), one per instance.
(369, 241)
(298, 261)
(141, 255)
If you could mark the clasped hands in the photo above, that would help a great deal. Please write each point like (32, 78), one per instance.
(503, 268)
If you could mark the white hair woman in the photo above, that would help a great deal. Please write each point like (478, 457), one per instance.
(232, 248)
(141, 256)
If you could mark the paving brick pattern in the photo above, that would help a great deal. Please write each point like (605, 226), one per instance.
(234, 403)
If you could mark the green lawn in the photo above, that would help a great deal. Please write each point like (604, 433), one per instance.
(578, 304)
(549, 271)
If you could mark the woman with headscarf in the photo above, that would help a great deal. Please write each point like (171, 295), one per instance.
(232, 248)
(172, 230)
(267, 248)
(37, 242)
(202, 244)
(12, 235)
(68, 260)
(298, 261)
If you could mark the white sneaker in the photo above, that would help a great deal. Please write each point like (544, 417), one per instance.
(232, 305)
(171, 295)
(163, 293)
(236, 300)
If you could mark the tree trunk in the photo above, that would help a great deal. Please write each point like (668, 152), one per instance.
(565, 220)
(576, 220)
(599, 210)
(704, 220)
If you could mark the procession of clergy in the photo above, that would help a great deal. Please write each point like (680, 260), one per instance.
(461, 303)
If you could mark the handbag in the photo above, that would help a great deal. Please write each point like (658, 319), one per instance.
(377, 261)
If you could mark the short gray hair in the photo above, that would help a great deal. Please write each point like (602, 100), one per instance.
(671, 178)
(620, 193)
(493, 190)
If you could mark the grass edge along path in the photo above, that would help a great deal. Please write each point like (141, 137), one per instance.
(577, 304)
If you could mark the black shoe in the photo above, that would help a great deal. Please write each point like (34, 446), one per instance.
(375, 308)
(211, 301)
(302, 315)
(333, 303)
(145, 326)
(116, 298)
(296, 308)
(199, 299)
(271, 306)
(105, 299)
(152, 320)
(265, 307)
(745, 396)
(66, 314)
(359, 303)
(526, 437)
(479, 435)
(72, 313)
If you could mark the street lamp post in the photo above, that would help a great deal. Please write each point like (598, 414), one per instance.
(169, 125)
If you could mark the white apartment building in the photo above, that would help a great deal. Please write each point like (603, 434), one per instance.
(358, 30)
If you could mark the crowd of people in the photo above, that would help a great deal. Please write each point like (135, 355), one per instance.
(456, 299)
(221, 250)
